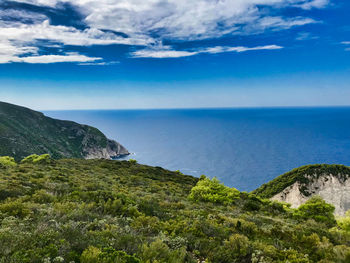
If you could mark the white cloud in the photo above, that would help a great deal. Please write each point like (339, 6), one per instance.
(99, 63)
(64, 35)
(220, 49)
(145, 22)
(307, 5)
(302, 36)
(24, 16)
(346, 43)
(166, 52)
(30, 55)
(182, 19)
(278, 22)
(20, 40)
(46, 59)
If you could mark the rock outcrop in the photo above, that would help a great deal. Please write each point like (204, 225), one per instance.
(331, 182)
(112, 151)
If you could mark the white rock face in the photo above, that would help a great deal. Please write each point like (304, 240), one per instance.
(333, 190)
(113, 150)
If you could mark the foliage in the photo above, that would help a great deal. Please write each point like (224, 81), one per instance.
(211, 190)
(344, 222)
(303, 175)
(107, 255)
(316, 208)
(97, 211)
(34, 158)
(6, 161)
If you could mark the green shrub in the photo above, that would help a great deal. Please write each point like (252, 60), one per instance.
(132, 161)
(158, 251)
(213, 191)
(110, 255)
(317, 209)
(106, 255)
(42, 197)
(237, 245)
(34, 158)
(236, 249)
(6, 161)
(15, 208)
(344, 222)
(148, 225)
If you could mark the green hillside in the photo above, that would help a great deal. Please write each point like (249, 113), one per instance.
(302, 175)
(24, 131)
(96, 211)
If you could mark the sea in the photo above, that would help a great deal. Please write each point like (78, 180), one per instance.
(243, 147)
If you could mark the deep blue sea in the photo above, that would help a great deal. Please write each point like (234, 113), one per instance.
(244, 148)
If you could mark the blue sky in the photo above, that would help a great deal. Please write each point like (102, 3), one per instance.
(111, 54)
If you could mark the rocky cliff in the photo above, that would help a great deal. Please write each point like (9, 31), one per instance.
(24, 132)
(331, 182)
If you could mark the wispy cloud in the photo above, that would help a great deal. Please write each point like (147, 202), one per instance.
(312, 4)
(23, 32)
(166, 52)
(347, 43)
(46, 59)
(302, 36)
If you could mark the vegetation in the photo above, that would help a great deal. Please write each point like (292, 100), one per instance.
(317, 209)
(302, 175)
(97, 211)
(213, 191)
(24, 132)
(6, 161)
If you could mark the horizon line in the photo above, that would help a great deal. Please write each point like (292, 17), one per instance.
(203, 108)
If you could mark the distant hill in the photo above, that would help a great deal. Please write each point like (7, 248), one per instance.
(24, 132)
(297, 186)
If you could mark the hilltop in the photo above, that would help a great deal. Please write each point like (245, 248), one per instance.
(297, 186)
(24, 132)
(104, 211)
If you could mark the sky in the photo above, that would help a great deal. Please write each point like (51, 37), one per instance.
(132, 54)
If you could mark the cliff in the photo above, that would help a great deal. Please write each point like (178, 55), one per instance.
(297, 186)
(24, 132)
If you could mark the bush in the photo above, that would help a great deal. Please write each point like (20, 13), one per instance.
(158, 251)
(15, 208)
(213, 191)
(42, 197)
(107, 255)
(236, 249)
(34, 158)
(90, 255)
(6, 161)
(317, 209)
(110, 255)
(344, 222)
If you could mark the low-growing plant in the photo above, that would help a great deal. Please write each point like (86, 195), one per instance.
(34, 158)
(211, 190)
(6, 161)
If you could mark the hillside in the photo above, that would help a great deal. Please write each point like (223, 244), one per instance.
(297, 186)
(24, 132)
(103, 211)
